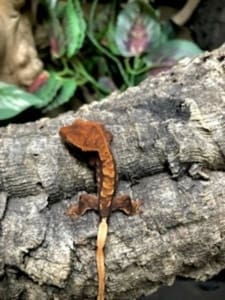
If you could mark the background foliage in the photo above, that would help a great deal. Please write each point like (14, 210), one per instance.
(94, 48)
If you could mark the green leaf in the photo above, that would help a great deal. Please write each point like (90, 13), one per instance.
(137, 29)
(168, 30)
(172, 51)
(178, 49)
(49, 89)
(110, 39)
(14, 100)
(57, 38)
(55, 33)
(52, 4)
(74, 27)
(66, 92)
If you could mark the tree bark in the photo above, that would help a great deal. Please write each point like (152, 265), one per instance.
(169, 145)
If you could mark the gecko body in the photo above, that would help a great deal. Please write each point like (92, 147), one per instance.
(91, 136)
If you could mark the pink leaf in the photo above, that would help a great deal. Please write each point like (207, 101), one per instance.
(38, 82)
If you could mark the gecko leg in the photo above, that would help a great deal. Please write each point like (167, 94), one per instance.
(126, 204)
(86, 202)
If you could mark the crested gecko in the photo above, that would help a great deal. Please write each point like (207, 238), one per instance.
(91, 136)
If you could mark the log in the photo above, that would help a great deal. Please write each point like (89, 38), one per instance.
(169, 145)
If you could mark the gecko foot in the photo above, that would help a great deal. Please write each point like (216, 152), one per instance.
(86, 202)
(127, 205)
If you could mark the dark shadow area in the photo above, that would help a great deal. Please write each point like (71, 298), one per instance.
(187, 289)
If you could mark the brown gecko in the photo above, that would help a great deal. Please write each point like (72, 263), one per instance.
(91, 136)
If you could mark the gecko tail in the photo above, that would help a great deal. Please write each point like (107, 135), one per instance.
(101, 239)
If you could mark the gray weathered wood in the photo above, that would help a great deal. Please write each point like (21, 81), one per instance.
(169, 144)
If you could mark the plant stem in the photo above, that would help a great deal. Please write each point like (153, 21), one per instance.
(77, 65)
(101, 48)
(136, 70)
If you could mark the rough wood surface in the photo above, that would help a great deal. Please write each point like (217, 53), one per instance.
(169, 144)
